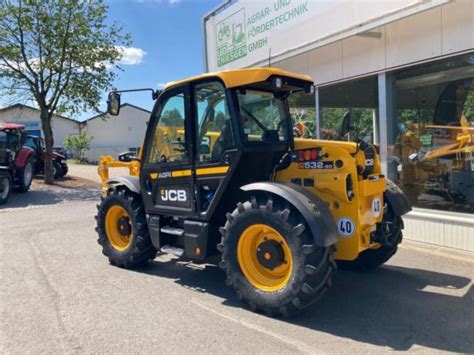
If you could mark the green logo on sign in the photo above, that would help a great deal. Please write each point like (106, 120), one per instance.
(231, 38)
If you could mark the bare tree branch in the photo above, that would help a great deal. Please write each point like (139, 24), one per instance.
(22, 45)
(18, 71)
(55, 96)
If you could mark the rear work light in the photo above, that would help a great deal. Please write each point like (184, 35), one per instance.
(301, 155)
(308, 155)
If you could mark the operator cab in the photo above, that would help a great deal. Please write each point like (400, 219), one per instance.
(212, 137)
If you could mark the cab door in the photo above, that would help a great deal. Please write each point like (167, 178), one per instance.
(215, 144)
(167, 166)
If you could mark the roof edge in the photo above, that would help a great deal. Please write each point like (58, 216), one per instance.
(20, 105)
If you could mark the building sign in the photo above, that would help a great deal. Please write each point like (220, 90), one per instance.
(231, 38)
(30, 125)
(239, 34)
(248, 32)
(248, 28)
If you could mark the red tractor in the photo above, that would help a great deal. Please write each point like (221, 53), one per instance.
(60, 167)
(16, 161)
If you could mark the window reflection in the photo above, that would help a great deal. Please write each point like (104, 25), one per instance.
(432, 154)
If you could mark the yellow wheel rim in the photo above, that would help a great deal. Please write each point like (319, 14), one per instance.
(251, 245)
(118, 228)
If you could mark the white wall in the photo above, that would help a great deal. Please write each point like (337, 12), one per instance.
(116, 134)
(433, 33)
(61, 127)
(448, 229)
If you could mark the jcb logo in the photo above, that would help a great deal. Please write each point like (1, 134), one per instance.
(173, 195)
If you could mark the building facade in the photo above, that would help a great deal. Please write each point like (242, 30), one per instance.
(113, 135)
(405, 70)
(30, 118)
(110, 135)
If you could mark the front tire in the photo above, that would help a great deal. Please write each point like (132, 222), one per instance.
(122, 229)
(5, 187)
(270, 259)
(57, 170)
(64, 169)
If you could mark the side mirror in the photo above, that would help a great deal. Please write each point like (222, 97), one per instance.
(113, 103)
(346, 124)
(127, 157)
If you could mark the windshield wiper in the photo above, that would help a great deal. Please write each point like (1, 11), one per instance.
(260, 124)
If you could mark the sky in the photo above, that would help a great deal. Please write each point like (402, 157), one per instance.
(167, 46)
(167, 43)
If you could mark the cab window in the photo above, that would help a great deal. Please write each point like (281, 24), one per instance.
(14, 141)
(30, 143)
(169, 140)
(264, 117)
(214, 131)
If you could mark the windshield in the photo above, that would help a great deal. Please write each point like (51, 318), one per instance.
(264, 117)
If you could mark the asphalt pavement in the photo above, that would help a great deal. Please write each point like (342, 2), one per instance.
(59, 294)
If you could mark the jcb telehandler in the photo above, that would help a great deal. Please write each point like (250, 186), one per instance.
(220, 171)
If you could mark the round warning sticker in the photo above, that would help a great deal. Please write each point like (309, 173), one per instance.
(376, 207)
(345, 226)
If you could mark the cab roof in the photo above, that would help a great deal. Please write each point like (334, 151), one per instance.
(10, 126)
(242, 77)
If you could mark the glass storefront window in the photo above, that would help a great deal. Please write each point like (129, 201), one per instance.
(360, 97)
(431, 149)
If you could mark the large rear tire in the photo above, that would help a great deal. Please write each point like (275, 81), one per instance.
(26, 175)
(374, 258)
(122, 229)
(5, 187)
(270, 259)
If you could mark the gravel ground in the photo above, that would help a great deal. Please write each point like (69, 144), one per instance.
(59, 294)
(89, 172)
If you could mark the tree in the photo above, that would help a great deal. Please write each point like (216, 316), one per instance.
(79, 144)
(173, 118)
(59, 54)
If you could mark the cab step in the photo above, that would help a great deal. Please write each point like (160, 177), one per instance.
(173, 231)
(169, 249)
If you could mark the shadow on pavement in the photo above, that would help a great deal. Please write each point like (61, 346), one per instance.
(393, 306)
(49, 196)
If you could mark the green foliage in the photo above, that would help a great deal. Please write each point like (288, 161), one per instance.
(58, 52)
(79, 144)
(331, 122)
(469, 105)
(302, 109)
(172, 118)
